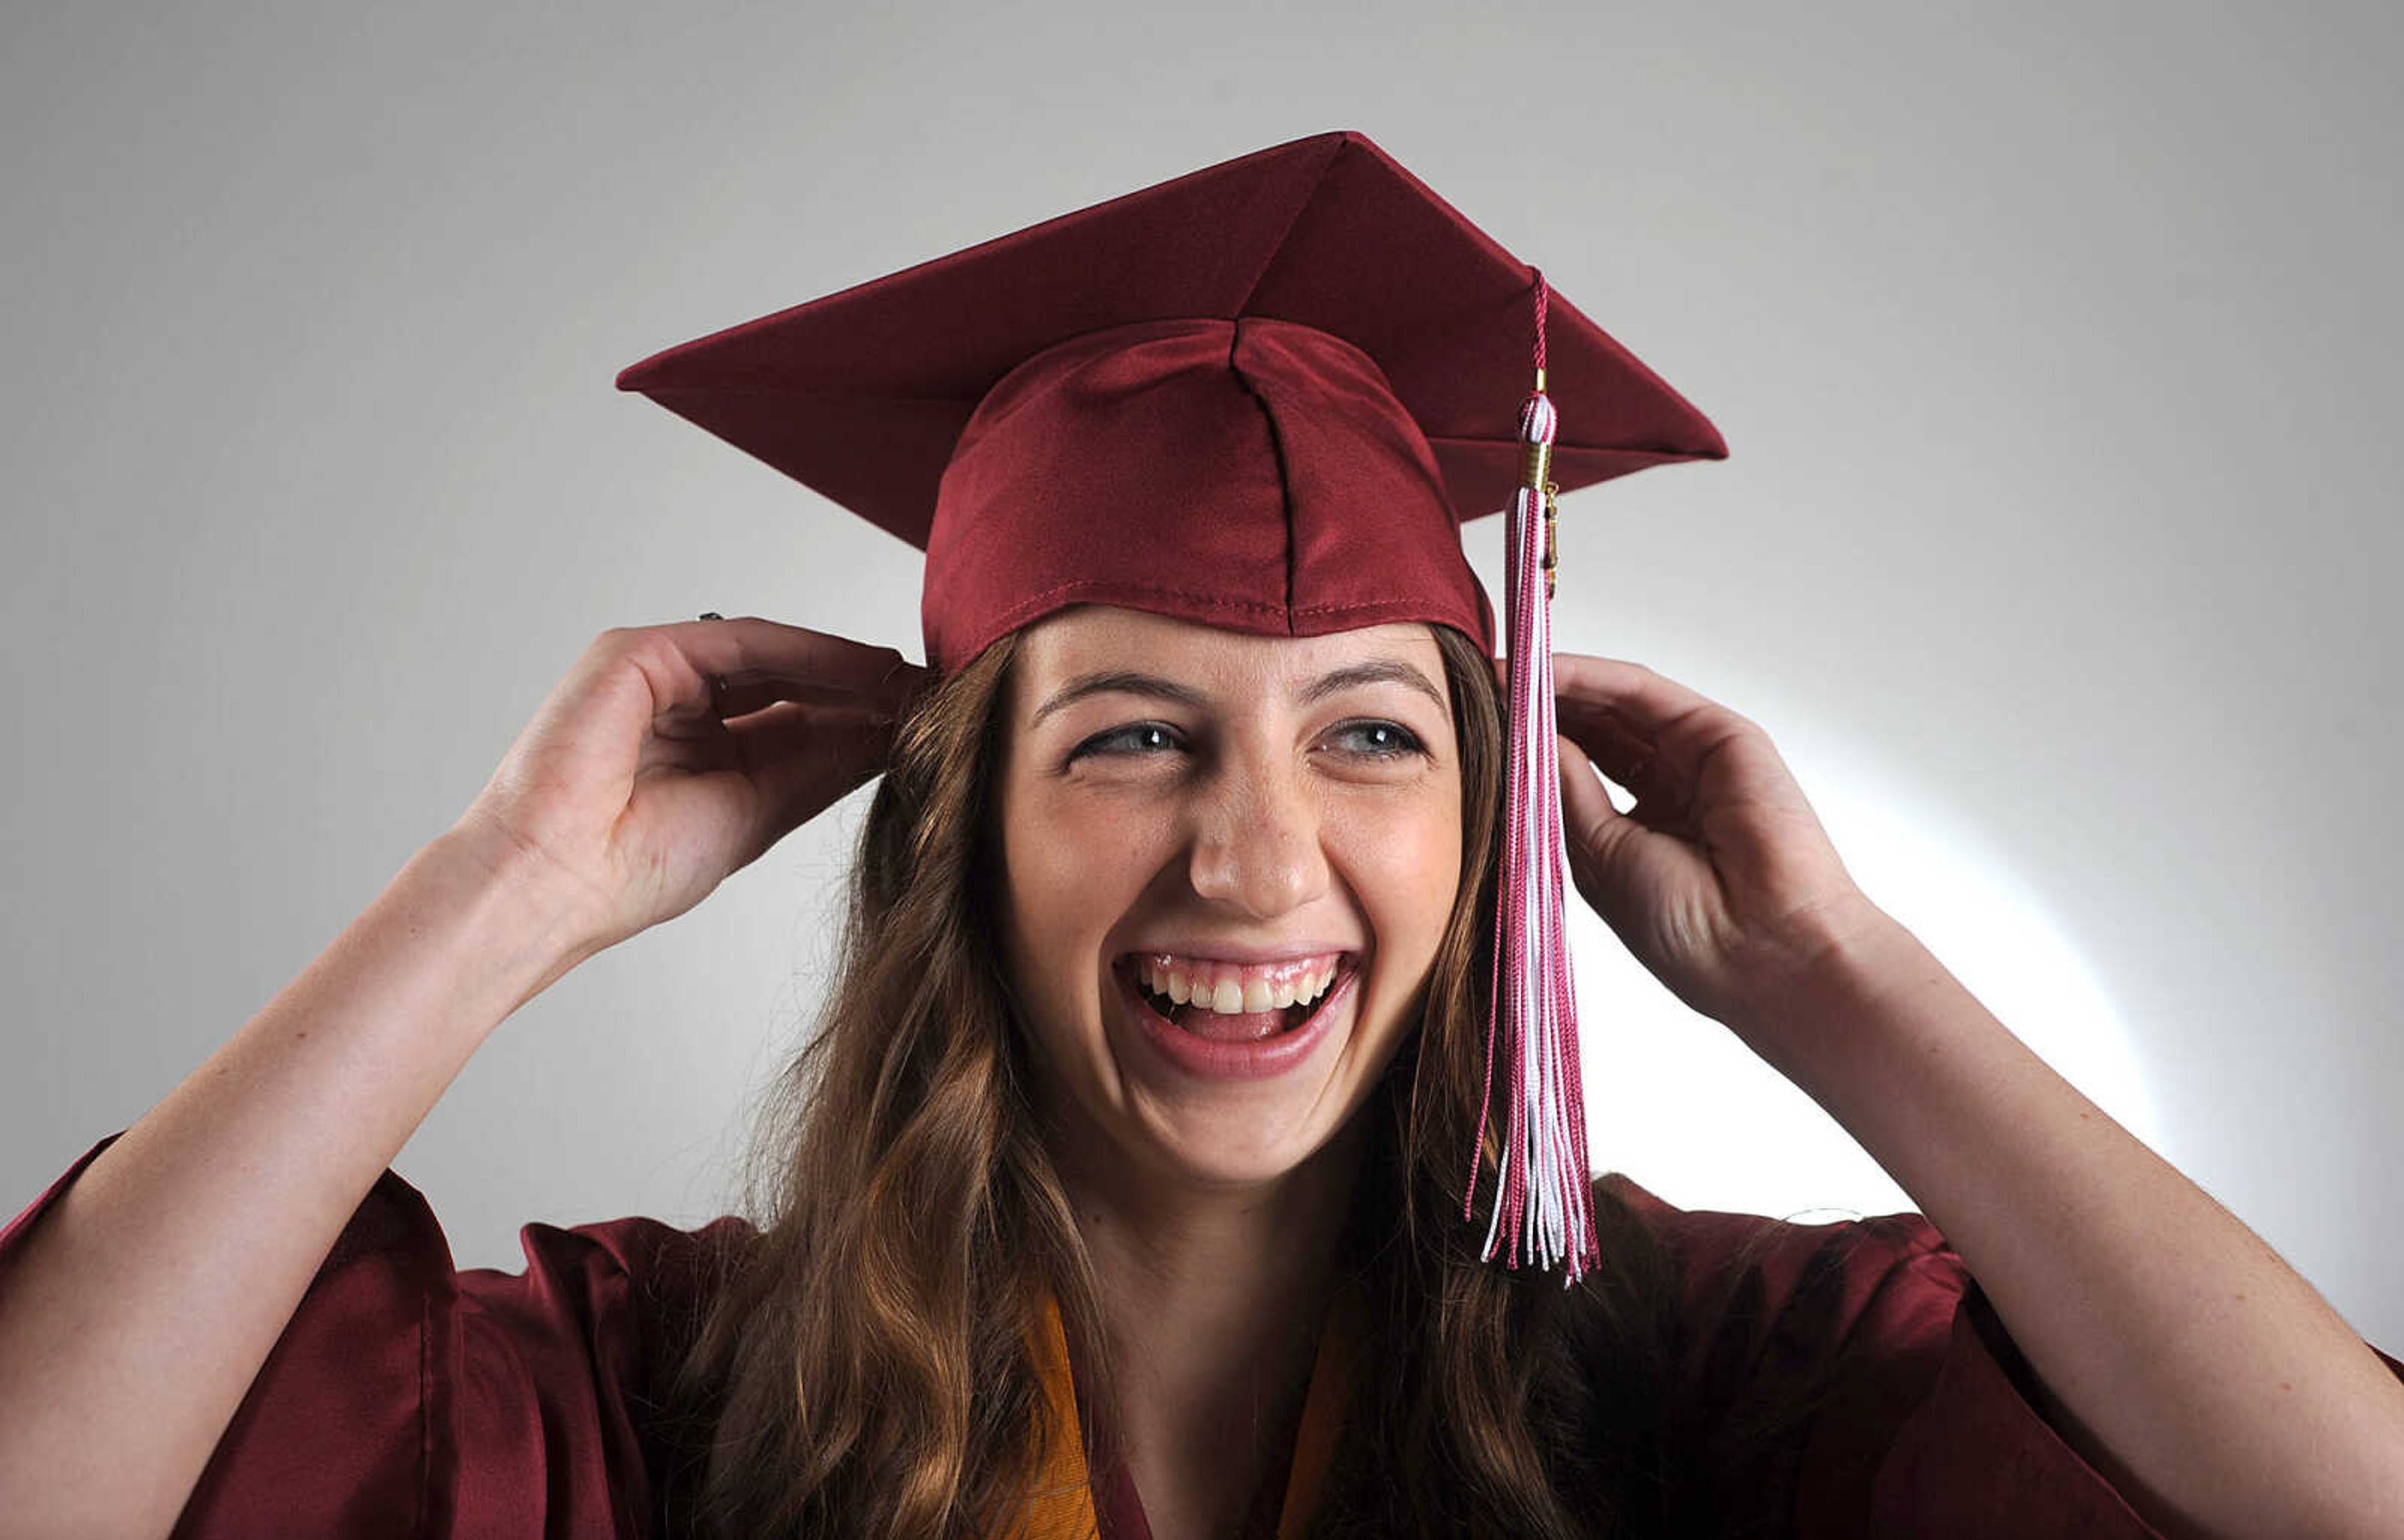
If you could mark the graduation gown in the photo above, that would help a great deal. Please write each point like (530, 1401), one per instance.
(413, 1400)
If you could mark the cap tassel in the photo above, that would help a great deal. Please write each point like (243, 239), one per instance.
(1542, 1200)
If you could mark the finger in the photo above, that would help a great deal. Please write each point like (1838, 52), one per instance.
(1647, 700)
(1616, 748)
(740, 695)
(805, 758)
(1587, 812)
(1630, 707)
(749, 650)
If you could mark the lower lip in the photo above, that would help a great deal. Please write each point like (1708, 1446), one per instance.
(1207, 1059)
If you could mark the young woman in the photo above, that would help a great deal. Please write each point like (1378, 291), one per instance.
(1124, 1186)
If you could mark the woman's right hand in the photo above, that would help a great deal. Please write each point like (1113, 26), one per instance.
(635, 793)
(630, 795)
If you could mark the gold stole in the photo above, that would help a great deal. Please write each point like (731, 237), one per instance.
(1062, 1507)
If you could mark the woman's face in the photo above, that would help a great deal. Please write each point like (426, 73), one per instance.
(1233, 822)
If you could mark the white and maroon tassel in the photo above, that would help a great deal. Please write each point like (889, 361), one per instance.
(1543, 1199)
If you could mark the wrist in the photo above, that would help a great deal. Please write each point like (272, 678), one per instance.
(1869, 1022)
(531, 918)
(1849, 978)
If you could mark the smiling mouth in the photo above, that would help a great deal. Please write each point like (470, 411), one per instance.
(1230, 1008)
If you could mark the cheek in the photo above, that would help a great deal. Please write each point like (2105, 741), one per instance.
(1405, 864)
(1072, 873)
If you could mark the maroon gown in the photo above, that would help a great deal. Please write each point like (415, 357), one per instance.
(409, 1398)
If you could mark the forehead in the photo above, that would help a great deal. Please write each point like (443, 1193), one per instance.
(1090, 638)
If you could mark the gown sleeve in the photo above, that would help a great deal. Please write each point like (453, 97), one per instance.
(411, 1400)
(1853, 1379)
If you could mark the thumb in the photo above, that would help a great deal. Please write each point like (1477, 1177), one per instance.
(1597, 836)
(1589, 823)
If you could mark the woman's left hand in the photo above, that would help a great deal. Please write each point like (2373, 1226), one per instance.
(1720, 878)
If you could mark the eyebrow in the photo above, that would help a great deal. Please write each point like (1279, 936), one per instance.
(1129, 682)
(1375, 671)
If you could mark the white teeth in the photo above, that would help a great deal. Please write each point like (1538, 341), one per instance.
(1230, 994)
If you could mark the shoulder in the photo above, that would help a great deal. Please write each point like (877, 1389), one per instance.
(1761, 1267)
(648, 1255)
(618, 1297)
(395, 1220)
(636, 1285)
(1850, 1377)
(1777, 1316)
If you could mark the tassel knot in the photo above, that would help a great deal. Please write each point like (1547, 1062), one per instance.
(1538, 424)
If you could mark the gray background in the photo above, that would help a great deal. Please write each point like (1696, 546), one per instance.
(2056, 348)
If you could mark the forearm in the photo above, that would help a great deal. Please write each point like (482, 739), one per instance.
(2205, 1377)
(141, 1307)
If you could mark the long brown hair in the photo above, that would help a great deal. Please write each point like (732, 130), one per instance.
(868, 1368)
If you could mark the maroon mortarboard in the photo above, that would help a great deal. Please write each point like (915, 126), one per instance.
(1262, 396)
(1297, 368)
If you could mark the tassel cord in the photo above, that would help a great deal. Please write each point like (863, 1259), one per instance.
(1542, 1205)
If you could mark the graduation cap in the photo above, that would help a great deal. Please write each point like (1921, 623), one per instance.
(1262, 396)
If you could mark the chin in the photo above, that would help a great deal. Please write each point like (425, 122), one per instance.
(1227, 1149)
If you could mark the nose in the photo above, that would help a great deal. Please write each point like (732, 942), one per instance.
(1256, 841)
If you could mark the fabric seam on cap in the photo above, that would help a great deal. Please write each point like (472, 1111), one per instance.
(1213, 601)
(1106, 592)
(1277, 451)
(1364, 603)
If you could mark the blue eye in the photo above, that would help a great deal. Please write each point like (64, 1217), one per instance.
(1368, 740)
(1143, 737)
(1384, 740)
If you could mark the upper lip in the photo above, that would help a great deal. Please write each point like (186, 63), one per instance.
(1240, 953)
